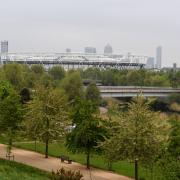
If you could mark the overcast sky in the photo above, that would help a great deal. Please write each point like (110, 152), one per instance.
(136, 26)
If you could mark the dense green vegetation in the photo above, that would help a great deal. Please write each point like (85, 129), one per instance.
(54, 112)
(142, 77)
(15, 171)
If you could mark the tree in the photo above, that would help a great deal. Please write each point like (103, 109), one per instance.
(111, 152)
(47, 115)
(92, 94)
(13, 73)
(5, 89)
(72, 84)
(25, 95)
(11, 114)
(38, 69)
(174, 137)
(88, 130)
(57, 72)
(139, 136)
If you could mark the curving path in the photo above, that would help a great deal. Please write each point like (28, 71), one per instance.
(37, 160)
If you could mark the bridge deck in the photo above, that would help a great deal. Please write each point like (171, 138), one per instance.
(130, 91)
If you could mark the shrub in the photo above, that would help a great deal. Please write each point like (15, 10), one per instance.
(63, 174)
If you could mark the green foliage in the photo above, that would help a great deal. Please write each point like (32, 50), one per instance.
(57, 72)
(38, 69)
(63, 174)
(137, 134)
(175, 97)
(10, 170)
(92, 94)
(174, 137)
(72, 84)
(47, 115)
(5, 89)
(14, 74)
(88, 129)
(11, 113)
(132, 77)
(169, 167)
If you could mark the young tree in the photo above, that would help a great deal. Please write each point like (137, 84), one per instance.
(57, 72)
(72, 84)
(47, 115)
(174, 137)
(38, 69)
(14, 75)
(88, 130)
(11, 113)
(139, 136)
(5, 89)
(92, 94)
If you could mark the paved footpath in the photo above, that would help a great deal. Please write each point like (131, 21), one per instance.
(37, 160)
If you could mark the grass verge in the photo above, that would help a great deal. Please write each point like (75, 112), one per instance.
(56, 149)
(10, 170)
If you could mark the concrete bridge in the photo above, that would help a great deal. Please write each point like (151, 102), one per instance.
(131, 91)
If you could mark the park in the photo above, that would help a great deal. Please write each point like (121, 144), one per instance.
(54, 125)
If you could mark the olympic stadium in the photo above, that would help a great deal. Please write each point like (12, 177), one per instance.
(76, 60)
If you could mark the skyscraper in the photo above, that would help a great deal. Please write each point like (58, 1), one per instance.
(150, 63)
(4, 47)
(108, 49)
(90, 50)
(68, 50)
(158, 57)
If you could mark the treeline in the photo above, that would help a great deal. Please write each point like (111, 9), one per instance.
(26, 76)
(113, 77)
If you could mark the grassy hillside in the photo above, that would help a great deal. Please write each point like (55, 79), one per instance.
(10, 170)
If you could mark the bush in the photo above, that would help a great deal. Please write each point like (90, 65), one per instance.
(63, 174)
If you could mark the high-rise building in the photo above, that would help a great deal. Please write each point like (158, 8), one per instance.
(150, 63)
(108, 49)
(90, 50)
(4, 47)
(158, 57)
(174, 66)
(68, 50)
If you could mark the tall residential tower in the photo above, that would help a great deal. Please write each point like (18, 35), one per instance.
(4, 47)
(158, 57)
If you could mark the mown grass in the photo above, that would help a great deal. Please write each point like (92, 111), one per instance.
(58, 148)
(10, 170)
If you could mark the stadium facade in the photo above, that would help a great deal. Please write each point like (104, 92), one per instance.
(76, 60)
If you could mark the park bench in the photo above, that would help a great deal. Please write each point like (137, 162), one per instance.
(65, 158)
(10, 156)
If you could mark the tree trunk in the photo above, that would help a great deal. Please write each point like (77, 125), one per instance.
(136, 169)
(47, 145)
(10, 145)
(88, 159)
(109, 165)
(35, 145)
(47, 135)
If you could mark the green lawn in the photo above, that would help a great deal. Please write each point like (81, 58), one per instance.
(10, 170)
(56, 149)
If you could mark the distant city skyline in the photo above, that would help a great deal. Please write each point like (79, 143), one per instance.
(138, 26)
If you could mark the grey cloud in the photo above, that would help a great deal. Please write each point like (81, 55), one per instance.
(129, 25)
